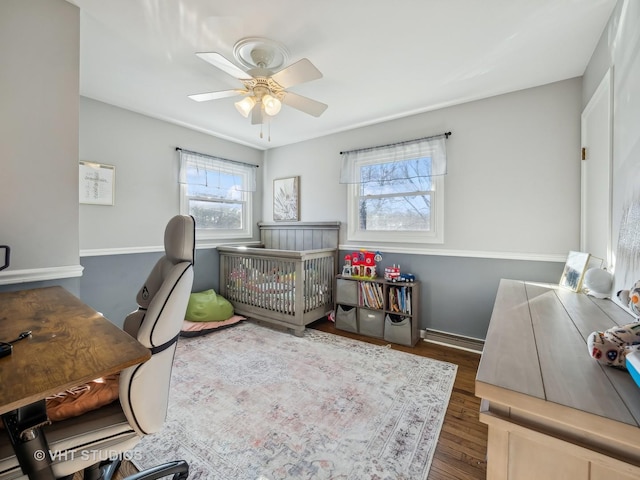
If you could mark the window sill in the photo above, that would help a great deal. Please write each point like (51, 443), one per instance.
(397, 238)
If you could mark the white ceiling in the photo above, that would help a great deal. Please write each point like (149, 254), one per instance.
(381, 59)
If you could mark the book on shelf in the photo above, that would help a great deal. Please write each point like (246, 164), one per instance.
(370, 295)
(379, 296)
(400, 299)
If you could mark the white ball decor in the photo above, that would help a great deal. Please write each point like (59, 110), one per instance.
(598, 282)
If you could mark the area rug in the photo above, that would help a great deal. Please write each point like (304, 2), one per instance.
(250, 402)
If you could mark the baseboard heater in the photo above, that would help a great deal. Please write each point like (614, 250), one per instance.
(452, 340)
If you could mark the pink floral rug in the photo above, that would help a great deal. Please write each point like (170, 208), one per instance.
(253, 403)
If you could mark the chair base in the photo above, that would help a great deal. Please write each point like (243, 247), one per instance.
(178, 468)
(102, 471)
(107, 470)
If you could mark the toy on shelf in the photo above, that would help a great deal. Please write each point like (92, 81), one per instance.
(393, 274)
(363, 264)
(347, 268)
(407, 277)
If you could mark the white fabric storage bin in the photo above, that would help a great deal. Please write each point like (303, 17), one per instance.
(347, 291)
(346, 318)
(371, 322)
(398, 332)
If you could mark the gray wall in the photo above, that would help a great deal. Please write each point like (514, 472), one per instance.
(457, 293)
(120, 244)
(512, 192)
(512, 197)
(513, 182)
(143, 150)
(110, 283)
(39, 58)
(45, 129)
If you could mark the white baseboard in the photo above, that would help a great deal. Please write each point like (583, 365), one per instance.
(461, 342)
(9, 277)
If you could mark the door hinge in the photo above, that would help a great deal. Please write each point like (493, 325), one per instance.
(584, 153)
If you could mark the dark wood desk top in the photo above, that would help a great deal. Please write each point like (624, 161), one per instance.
(70, 344)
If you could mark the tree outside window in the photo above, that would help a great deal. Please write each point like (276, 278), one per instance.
(218, 193)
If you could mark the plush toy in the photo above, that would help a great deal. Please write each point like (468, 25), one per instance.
(611, 346)
(631, 298)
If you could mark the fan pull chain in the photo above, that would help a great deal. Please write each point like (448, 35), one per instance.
(268, 128)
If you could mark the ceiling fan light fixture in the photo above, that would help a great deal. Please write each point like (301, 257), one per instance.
(245, 106)
(265, 84)
(271, 105)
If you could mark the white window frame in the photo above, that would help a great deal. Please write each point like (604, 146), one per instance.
(247, 200)
(434, 235)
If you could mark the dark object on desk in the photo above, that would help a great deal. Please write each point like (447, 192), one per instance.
(7, 256)
(7, 347)
(25, 334)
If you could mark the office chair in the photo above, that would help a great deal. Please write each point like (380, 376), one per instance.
(87, 442)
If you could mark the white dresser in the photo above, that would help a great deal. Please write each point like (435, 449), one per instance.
(553, 412)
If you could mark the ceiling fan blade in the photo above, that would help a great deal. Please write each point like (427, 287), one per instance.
(223, 64)
(204, 97)
(257, 117)
(299, 72)
(304, 104)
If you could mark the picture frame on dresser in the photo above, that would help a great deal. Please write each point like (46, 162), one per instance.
(574, 270)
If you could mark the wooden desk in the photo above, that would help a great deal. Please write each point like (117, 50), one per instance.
(554, 412)
(70, 344)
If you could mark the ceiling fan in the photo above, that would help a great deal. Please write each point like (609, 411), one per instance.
(265, 87)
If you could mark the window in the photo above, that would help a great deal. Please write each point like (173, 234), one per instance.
(218, 193)
(396, 192)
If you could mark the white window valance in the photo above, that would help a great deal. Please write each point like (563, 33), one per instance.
(215, 172)
(414, 159)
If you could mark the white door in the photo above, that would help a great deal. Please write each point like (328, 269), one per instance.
(596, 185)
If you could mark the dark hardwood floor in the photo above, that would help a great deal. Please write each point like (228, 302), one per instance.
(462, 447)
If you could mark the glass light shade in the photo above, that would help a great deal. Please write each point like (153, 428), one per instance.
(245, 105)
(271, 105)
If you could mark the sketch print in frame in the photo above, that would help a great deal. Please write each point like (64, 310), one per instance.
(97, 183)
(574, 270)
(286, 199)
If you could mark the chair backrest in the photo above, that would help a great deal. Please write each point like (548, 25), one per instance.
(162, 300)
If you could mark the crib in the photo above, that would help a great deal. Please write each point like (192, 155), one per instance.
(288, 279)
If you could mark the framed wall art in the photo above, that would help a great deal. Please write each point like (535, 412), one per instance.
(286, 199)
(97, 183)
(574, 269)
